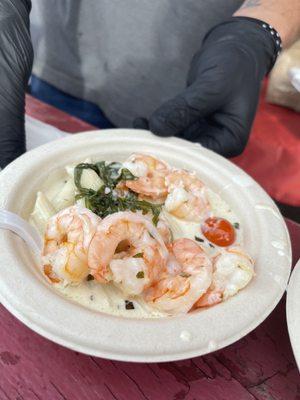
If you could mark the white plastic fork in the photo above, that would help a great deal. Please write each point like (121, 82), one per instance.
(22, 228)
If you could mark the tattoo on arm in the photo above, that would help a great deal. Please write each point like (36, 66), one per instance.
(251, 4)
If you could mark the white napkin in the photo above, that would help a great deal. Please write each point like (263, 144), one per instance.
(38, 133)
(294, 75)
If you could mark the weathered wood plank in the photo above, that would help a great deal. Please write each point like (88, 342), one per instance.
(279, 387)
(33, 367)
(53, 116)
(262, 353)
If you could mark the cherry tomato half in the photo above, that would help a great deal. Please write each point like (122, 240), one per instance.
(218, 231)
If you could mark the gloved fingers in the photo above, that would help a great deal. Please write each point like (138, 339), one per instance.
(225, 137)
(16, 57)
(202, 98)
(141, 123)
(199, 128)
(225, 140)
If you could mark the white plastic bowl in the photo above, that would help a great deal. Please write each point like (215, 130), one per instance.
(292, 311)
(25, 292)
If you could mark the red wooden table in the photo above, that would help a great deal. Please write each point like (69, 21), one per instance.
(259, 366)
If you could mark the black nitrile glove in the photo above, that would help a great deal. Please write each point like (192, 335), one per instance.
(16, 57)
(218, 107)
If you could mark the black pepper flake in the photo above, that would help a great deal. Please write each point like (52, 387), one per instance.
(90, 277)
(185, 275)
(140, 275)
(129, 305)
(92, 297)
(199, 239)
(211, 245)
(236, 225)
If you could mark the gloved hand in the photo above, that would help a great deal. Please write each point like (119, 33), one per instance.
(219, 104)
(16, 57)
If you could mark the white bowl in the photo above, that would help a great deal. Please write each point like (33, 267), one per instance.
(25, 292)
(292, 311)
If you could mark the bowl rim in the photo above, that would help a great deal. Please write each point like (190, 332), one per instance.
(292, 307)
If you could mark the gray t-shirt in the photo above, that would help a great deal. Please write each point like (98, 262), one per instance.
(127, 56)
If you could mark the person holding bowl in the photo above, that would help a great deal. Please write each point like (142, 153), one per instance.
(191, 69)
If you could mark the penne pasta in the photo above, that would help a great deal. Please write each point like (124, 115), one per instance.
(66, 196)
(90, 180)
(43, 210)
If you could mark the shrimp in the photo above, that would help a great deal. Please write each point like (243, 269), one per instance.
(186, 199)
(151, 174)
(164, 230)
(233, 270)
(187, 280)
(143, 254)
(184, 179)
(162, 226)
(66, 242)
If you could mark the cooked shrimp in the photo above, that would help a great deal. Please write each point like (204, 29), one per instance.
(143, 252)
(186, 282)
(151, 174)
(162, 226)
(184, 179)
(186, 198)
(67, 239)
(164, 230)
(233, 270)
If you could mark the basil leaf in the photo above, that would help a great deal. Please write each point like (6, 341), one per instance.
(104, 204)
(185, 275)
(138, 255)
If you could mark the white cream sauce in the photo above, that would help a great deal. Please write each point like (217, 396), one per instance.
(107, 299)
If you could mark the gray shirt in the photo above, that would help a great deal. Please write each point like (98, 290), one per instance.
(127, 56)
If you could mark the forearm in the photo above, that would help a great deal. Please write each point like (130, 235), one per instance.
(283, 15)
(15, 66)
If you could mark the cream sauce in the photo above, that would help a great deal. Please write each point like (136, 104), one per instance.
(107, 299)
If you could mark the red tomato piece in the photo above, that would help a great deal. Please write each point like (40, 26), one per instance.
(218, 231)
